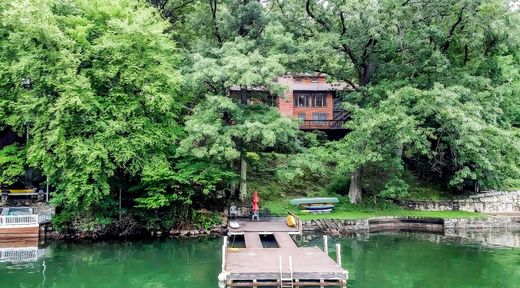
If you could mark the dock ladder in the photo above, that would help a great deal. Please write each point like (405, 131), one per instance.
(286, 282)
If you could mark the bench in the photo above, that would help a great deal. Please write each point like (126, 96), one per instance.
(6, 193)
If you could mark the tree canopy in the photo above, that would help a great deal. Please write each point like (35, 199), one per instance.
(430, 83)
(162, 104)
(104, 98)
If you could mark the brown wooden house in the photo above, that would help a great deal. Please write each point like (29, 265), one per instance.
(308, 98)
(312, 100)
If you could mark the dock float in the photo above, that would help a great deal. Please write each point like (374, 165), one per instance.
(263, 254)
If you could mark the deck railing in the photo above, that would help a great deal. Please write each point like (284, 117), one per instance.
(44, 217)
(19, 219)
(322, 124)
(26, 254)
(25, 219)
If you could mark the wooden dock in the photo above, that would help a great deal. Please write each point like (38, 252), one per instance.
(22, 226)
(285, 266)
(267, 225)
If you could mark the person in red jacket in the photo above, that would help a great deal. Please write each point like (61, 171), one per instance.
(256, 208)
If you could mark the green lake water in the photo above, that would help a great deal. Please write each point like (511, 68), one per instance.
(379, 261)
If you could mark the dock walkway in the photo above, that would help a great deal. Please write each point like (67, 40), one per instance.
(252, 240)
(267, 225)
(284, 240)
(287, 266)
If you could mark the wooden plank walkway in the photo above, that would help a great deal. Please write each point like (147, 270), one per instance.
(257, 266)
(252, 240)
(284, 240)
(266, 260)
(267, 225)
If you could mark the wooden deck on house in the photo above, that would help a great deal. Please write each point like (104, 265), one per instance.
(286, 266)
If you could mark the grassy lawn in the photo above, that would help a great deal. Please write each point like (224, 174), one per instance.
(346, 210)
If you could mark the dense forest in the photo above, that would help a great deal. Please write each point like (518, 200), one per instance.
(125, 108)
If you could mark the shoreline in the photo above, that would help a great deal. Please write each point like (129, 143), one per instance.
(419, 224)
(323, 225)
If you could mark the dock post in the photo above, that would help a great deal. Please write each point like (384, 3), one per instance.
(223, 258)
(338, 254)
(326, 244)
(224, 248)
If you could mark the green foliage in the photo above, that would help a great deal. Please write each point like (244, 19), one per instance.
(220, 129)
(61, 221)
(460, 122)
(430, 83)
(12, 164)
(105, 91)
(419, 190)
(165, 186)
(367, 209)
(205, 220)
(237, 63)
(433, 90)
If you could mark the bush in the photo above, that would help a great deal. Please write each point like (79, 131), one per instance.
(60, 222)
(204, 219)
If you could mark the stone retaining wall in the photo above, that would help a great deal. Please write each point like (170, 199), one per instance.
(335, 226)
(489, 202)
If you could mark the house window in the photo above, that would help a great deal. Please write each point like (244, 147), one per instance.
(301, 116)
(319, 118)
(320, 100)
(300, 100)
(310, 99)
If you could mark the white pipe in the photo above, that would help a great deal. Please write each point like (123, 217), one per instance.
(326, 244)
(223, 258)
(338, 254)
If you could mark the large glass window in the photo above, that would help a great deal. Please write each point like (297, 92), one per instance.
(319, 118)
(301, 116)
(310, 99)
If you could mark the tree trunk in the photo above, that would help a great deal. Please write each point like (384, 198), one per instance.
(354, 192)
(233, 184)
(243, 176)
(120, 206)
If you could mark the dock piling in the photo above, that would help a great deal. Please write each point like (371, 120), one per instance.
(326, 244)
(338, 254)
(224, 248)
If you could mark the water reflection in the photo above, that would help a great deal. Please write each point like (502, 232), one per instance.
(490, 238)
(390, 260)
(465, 259)
(163, 263)
(20, 251)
